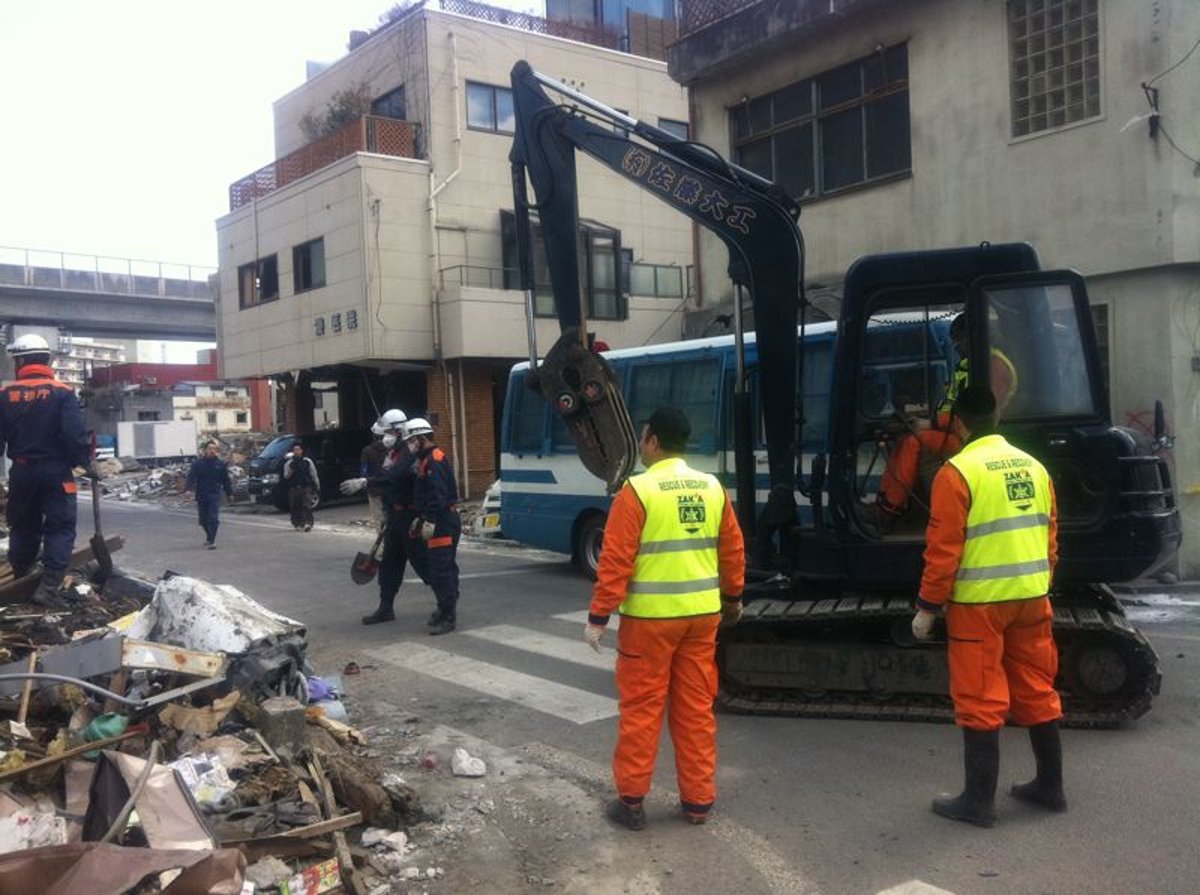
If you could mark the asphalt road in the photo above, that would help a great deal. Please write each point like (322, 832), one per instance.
(804, 805)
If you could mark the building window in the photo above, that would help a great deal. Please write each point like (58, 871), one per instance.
(211, 417)
(308, 265)
(241, 417)
(490, 108)
(599, 256)
(675, 128)
(390, 105)
(838, 129)
(147, 416)
(1054, 63)
(258, 282)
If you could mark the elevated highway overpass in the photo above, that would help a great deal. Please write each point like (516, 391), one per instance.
(109, 297)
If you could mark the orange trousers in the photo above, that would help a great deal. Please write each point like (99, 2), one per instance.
(668, 664)
(1002, 661)
(904, 465)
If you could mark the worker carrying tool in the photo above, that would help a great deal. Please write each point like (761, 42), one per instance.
(991, 545)
(42, 426)
(936, 443)
(436, 526)
(673, 566)
(394, 482)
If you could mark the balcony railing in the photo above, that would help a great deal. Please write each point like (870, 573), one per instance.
(44, 269)
(697, 14)
(478, 276)
(385, 136)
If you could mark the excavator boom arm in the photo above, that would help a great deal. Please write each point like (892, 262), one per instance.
(755, 220)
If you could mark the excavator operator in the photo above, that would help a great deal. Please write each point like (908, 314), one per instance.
(937, 443)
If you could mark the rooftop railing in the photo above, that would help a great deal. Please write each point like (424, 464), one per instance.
(371, 133)
(47, 269)
(697, 14)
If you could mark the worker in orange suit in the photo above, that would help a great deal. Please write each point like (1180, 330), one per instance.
(990, 550)
(903, 468)
(673, 566)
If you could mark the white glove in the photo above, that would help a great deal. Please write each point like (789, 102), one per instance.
(922, 624)
(592, 634)
(352, 486)
(427, 529)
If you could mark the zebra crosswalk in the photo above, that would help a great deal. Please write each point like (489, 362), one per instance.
(454, 660)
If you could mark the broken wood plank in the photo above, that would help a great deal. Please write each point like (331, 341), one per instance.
(341, 848)
(28, 690)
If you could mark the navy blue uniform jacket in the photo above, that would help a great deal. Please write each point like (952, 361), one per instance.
(208, 477)
(40, 420)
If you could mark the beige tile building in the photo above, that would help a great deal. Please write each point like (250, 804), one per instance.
(375, 256)
(913, 124)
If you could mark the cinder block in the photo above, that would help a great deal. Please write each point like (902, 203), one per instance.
(281, 722)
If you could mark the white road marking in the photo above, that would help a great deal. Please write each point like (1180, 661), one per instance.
(498, 573)
(552, 698)
(914, 887)
(581, 616)
(561, 648)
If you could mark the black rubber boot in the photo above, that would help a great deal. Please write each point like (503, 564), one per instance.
(444, 625)
(383, 614)
(434, 618)
(630, 815)
(48, 588)
(981, 761)
(1046, 789)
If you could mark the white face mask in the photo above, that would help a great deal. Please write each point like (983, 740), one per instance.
(389, 441)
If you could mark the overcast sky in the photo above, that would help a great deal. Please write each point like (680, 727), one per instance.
(125, 121)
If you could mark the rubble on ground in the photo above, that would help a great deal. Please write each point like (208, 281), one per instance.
(176, 725)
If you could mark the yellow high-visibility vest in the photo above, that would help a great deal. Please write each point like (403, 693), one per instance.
(959, 379)
(676, 572)
(1006, 551)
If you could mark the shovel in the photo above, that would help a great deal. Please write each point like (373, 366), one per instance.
(99, 548)
(365, 565)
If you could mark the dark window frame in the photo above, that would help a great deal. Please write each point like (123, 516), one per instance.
(590, 234)
(258, 282)
(675, 128)
(387, 105)
(304, 274)
(496, 92)
(853, 104)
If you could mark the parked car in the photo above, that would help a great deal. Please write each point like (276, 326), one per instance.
(334, 451)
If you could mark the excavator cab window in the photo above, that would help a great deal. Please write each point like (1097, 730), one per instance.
(908, 359)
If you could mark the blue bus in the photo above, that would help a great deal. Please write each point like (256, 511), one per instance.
(549, 501)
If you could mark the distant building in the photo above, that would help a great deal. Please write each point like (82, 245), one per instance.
(160, 392)
(80, 357)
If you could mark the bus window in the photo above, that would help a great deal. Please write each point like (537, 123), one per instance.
(528, 423)
(689, 385)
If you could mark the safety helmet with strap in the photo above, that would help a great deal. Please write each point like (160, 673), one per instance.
(390, 421)
(30, 343)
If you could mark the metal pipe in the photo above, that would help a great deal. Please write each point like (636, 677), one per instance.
(65, 679)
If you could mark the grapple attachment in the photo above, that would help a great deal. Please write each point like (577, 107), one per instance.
(583, 389)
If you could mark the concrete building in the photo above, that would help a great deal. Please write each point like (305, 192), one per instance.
(913, 124)
(79, 357)
(380, 256)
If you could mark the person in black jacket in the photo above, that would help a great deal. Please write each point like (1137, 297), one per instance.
(207, 478)
(41, 424)
(301, 475)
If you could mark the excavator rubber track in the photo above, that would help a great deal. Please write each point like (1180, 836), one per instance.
(851, 655)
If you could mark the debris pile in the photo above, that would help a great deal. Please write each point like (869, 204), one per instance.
(170, 737)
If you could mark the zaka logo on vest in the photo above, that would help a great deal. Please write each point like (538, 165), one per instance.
(1019, 486)
(691, 511)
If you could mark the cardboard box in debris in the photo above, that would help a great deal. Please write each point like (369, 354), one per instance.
(170, 737)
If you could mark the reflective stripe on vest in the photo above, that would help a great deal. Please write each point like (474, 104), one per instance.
(1005, 551)
(675, 574)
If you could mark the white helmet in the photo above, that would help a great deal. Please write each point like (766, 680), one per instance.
(30, 343)
(417, 427)
(390, 421)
